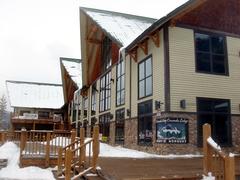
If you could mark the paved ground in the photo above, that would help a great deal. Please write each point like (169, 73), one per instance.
(125, 168)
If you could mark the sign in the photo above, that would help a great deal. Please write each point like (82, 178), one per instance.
(172, 130)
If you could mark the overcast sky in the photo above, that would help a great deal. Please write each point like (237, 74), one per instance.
(35, 33)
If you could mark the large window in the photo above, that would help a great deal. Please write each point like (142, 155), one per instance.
(106, 54)
(105, 92)
(104, 126)
(93, 100)
(120, 90)
(85, 107)
(145, 123)
(211, 55)
(215, 112)
(119, 133)
(145, 78)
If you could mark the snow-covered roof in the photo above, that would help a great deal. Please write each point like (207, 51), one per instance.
(74, 69)
(123, 28)
(35, 95)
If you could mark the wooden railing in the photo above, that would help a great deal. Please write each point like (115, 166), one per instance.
(72, 159)
(220, 164)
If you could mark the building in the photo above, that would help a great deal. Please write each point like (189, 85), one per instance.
(37, 106)
(154, 91)
(71, 73)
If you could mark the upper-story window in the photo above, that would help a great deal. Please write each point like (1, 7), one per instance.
(211, 54)
(106, 53)
(93, 99)
(43, 114)
(145, 78)
(85, 107)
(120, 89)
(105, 92)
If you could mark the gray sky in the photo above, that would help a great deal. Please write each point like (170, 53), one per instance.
(35, 33)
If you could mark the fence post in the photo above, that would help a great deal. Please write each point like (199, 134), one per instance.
(73, 137)
(4, 137)
(83, 148)
(206, 149)
(68, 160)
(229, 168)
(47, 149)
(23, 140)
(95, 147)
(60, 151)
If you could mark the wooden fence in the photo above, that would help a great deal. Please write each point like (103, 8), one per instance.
(73, 161)
(220, 164)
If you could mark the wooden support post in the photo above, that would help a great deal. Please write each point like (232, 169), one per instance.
(229, 168)
(73, 137)
(47, 150)
(83, 149)
(206, 149)
(68, 160)
(60, 161)
(23, 140)
(95, 147)
(3, 137)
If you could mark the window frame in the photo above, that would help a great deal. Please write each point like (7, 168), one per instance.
(122, 110)
(105, 96)
(93, 100)
(119, 78)
(144, 79)
(225, 55)
(213, 114)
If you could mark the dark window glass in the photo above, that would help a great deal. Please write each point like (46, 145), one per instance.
(106, 53)
(120, 91)
(215, 112)
(105, 92)
(85, 107)
(145, 123)
(145, 78)
(104, 125)
(43, 115)
(119, 133)
(211, 54)
(93, 100)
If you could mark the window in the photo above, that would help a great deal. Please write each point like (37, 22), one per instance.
(120, 89)
(105, 92)
(85, 107)
(211, 56)
(119, 133)
(215, 112)
(104, 126)
(23, 112)
(145, 78)
(43, 115)
(106, 54)
(93, 100)
(145, 123)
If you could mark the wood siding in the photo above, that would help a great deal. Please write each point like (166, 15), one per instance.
(187, 84)
(158, 75)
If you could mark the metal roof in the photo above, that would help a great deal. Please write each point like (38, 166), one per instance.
(123, 28)
(35, 95)
(74, 69)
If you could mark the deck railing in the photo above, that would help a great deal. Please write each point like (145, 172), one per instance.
(220, 164)
(73, 161)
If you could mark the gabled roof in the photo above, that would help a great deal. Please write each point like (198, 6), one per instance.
(159, 23)
(122, 28)
(35, 95)
(74, 69)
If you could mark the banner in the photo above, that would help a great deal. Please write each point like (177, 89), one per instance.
(172, 130)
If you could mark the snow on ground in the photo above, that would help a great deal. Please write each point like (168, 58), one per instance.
(11, 152)
(209, 177)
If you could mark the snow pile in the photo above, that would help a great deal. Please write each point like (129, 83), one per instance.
(11, 152)
(213, 144)
(209, 177)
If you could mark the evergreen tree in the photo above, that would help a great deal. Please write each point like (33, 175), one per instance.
(3, 108)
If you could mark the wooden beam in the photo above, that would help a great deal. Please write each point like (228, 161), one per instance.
(144, 46)
(94, 41)
(92, 31)
(133, 54)
(155, 38)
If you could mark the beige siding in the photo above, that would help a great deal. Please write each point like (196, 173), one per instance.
(185, 83)
(158, 74)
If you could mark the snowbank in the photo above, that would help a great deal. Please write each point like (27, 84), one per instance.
(209, 177)
(11, 152)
